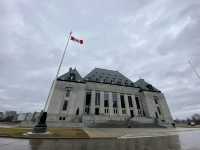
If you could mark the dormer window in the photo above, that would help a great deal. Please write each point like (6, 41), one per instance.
(68, 91)
(149, 86)
(119, 81)
(72, 76)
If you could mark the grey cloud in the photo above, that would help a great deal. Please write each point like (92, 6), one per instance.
(150, 39)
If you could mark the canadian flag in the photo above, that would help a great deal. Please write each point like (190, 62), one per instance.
(76, 40)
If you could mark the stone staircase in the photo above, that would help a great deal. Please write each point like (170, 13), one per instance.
(143, 122)
(135, 122)
(110, 124)
(105, 121)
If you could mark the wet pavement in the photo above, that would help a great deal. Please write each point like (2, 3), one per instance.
(181, 141)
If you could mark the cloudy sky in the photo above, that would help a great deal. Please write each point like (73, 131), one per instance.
(140, 38)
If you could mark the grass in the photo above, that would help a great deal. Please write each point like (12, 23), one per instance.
(13, 132)
(68, 133)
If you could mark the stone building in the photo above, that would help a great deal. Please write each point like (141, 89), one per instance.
(105, 98)
(25, 116)
(10, 116)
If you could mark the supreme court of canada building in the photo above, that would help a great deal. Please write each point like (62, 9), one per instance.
(106, 98)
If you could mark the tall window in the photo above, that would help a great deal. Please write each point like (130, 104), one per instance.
(159, 110)
(106, 103)
(132, 113)
(97, 98)
(156, 115)
(137, 102)
(88, 102)
(88, 99)
(77, 111)
(114, 97)
(155, 99)
(65, 105)
(122, 101)
(87, 110)
(130, 102)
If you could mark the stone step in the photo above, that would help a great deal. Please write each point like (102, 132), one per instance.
(110, 124)
(144, 120)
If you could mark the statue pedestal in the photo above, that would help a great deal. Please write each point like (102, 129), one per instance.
(41, 126)
(40, 129)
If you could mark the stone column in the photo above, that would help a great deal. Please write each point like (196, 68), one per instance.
(127, 105)
(134, 106)
(110, 104)
(92, 107)
(101, 103)
(141, 106)
(119, 107)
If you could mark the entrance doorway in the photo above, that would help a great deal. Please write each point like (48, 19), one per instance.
(132, 113)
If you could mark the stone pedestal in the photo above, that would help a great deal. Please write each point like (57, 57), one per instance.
(41, 126)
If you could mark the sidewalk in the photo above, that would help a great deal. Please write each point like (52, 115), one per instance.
(134, 132)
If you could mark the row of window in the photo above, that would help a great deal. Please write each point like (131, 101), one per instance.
(114, 99)
(109, 80)
(106, 111)
(106, 103)
(106, 99)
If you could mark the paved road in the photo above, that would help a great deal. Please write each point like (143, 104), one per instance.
(188, 140)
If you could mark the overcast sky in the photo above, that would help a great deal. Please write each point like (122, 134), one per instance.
(150, 39)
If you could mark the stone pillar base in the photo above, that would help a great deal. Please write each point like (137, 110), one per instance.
(40, 129)
(41, 125)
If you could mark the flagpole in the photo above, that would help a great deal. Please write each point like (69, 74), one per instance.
(194, 70)
(59, 67)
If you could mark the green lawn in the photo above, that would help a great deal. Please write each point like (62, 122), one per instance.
(54, 133)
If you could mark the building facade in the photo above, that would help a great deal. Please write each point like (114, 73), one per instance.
(105, 98)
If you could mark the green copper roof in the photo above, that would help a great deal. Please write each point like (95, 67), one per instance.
(108, 76)
(71, 75)
(143, 85)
